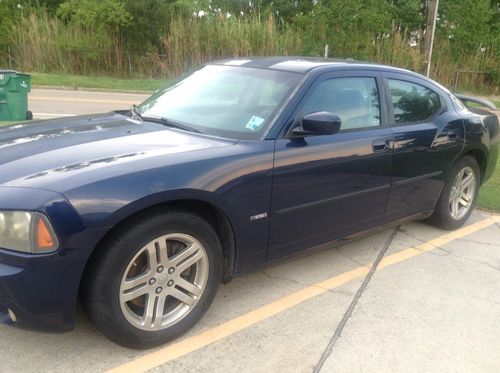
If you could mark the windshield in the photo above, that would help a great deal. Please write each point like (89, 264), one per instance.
(226, 101)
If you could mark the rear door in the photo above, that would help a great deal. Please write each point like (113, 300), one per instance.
(428, 135)
(325, 187)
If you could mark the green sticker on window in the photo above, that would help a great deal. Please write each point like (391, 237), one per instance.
(254, 123)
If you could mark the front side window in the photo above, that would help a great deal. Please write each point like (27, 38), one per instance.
(354, 100)
(227, 101)
(412, 102)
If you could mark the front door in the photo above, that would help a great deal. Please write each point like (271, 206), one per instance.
(326, 187)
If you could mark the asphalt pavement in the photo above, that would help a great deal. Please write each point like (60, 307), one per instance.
(410, 299)
(51, 103)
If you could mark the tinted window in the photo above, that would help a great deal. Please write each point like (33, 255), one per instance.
(412, 102)
(354, 100)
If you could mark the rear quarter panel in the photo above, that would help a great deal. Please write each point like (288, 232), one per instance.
(493, 126)
(482, 132)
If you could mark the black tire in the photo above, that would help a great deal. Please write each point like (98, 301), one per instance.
(442, 217)
(101, 288)
(29, 115)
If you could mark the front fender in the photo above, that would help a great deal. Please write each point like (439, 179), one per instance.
(169, 196)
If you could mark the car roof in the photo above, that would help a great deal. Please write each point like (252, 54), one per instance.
(304, 65)
(299, 64)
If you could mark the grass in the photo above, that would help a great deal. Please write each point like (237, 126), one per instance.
(6, 123)
(33, 121)
(489, 196)
(99, 82)
(496, 102)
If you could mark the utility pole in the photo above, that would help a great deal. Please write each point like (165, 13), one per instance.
(429, 34)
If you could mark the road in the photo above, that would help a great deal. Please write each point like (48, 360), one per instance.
(48, 103)
(431, 305)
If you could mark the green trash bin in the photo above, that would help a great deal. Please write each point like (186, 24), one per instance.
(14, 88)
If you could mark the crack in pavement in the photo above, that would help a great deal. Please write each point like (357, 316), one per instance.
(274, 277)
(423, 242)
(455, 255)
(338, 251)
(479, 242)
(343, 322)
(344, 255)
(304, 284)
(327, 352)
(489, 301)
(406, 233)
(477, 261)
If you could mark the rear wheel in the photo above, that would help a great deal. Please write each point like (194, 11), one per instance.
(154, 280)
(459, 195)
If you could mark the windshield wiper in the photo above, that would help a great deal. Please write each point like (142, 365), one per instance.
(135, 113)
(170, 123)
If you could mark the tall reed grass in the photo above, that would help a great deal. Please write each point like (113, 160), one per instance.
(46, 44)
(194, 41)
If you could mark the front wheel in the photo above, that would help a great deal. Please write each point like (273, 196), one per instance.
(154, 280)
(459, 195)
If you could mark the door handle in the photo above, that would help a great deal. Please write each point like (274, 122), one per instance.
(379, 146)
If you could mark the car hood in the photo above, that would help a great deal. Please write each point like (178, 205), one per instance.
(30, 152)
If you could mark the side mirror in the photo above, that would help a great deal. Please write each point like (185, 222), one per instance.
(318, 123)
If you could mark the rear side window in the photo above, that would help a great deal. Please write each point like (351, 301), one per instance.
(412, 102)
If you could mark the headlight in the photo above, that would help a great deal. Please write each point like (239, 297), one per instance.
(28, 232)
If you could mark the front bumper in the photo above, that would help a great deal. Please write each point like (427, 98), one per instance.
(37, 292)
(5, 301)
(42, 290)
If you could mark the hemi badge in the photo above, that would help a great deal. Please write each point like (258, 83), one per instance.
(258, 216)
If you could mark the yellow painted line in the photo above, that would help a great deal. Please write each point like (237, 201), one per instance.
(91, 100)
(217, 333)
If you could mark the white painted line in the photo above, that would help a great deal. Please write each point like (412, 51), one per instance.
(53, 115)
(80, 100)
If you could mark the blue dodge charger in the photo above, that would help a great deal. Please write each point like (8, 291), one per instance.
(142, 214)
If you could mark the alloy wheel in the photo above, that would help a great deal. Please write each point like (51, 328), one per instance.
(462, 193)
(164, 281)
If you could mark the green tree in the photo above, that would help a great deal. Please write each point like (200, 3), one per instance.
(148, 23)
(10, 13)
(409, 15)
(468, 23)
(50, 5)
(108, 15)
(346, 25)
